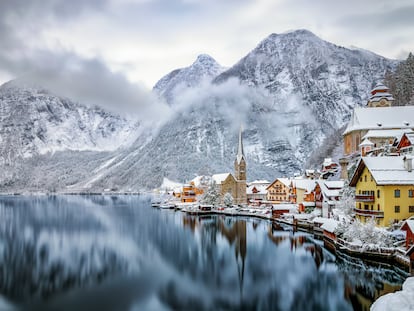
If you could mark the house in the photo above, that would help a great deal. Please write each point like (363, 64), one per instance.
(365, 119)
(256, 191)
(381, 139)
(327, 195)
(278, 190)
(384, 189)
(406, 144)
(279, 209)
(408, 227)
(299, 187)
(188, 194)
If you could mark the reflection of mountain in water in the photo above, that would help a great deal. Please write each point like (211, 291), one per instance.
(117, 253)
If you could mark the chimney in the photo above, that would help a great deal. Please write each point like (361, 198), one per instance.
(408, 163)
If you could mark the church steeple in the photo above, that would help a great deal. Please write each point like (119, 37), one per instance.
(240, 162)
(240, 151)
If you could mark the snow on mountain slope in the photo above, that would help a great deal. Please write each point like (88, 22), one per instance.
(33, 121)
(289, 93)
(204, 68)
(294, 90)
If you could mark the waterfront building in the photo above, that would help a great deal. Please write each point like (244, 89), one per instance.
(384, 189)
(235, 185)
(278, 191)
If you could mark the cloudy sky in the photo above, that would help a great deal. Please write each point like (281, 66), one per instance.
(122, 47)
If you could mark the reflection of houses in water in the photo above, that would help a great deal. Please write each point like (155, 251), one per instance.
(190, 222)
(237, 234)
(296, 242)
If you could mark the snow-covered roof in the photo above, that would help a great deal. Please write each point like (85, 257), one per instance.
(170, 185)
(379, 87)
(398, 117)
(289, 207)
(410, 224)
(387, 170)
(310, 204)
(366, 142)
(260, 188)
(330, 188)
(307, 184)
(200, 181)
(219, 178)
(380, 95)
(260, 182)
(410, 137)
(385, 133)
(320, 220)
(327, 161)
(285, 181)
(330, 225)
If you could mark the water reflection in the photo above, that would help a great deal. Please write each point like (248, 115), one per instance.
(117, 253)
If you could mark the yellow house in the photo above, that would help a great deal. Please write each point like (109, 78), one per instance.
(384, 189)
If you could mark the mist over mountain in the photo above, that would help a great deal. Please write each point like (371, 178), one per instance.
(289, 93)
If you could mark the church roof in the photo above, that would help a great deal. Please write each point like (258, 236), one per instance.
(399, 117)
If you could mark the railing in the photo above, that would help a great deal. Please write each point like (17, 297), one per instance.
(371, 213)
(364, 198)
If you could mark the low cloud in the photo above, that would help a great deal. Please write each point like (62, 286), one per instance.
(65, 72)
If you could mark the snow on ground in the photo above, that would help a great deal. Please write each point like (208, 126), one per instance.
(399, 301)
(169, 184)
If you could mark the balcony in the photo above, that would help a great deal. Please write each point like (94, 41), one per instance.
(364, 198)
(369, 213)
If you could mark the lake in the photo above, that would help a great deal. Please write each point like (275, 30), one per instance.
(118, 253)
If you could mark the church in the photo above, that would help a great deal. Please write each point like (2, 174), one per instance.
(235, 185)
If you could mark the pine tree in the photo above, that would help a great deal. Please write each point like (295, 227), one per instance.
(401, 82)
(211, 196)
(228, 199)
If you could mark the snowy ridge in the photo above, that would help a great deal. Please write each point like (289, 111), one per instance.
(33, 122)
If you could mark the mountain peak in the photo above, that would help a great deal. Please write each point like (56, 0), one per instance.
(205, 60)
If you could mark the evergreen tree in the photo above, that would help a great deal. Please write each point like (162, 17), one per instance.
(211, 196)
(401, 82)
(228, 199)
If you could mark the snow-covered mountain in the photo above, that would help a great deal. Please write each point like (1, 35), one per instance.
(289, 93)
(34, 121)
(204, 69)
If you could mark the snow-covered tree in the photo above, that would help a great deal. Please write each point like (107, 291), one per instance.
(346, 204)
(228, 199)
(211, 196)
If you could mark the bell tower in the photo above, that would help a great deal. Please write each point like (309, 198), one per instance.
(240, 172)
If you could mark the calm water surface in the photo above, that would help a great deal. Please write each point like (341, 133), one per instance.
(118, 253)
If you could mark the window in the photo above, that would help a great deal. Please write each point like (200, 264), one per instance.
(359, 205)
(372, 207)
(378, 206)
(365, 178)
(396, 208)
(360, 179)
(411, 193)
(396, 193)
(372, 178)
(411, 209)
(366, 206)
(378, 194)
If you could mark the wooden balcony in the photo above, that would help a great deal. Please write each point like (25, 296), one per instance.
(364, 198)
(369, 213)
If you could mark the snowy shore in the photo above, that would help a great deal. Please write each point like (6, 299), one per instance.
(402, 300)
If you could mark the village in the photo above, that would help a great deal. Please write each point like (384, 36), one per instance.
(362, 203)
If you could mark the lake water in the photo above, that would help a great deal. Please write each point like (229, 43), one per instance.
(118, 253)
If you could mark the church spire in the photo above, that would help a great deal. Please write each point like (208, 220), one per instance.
(240, 151)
